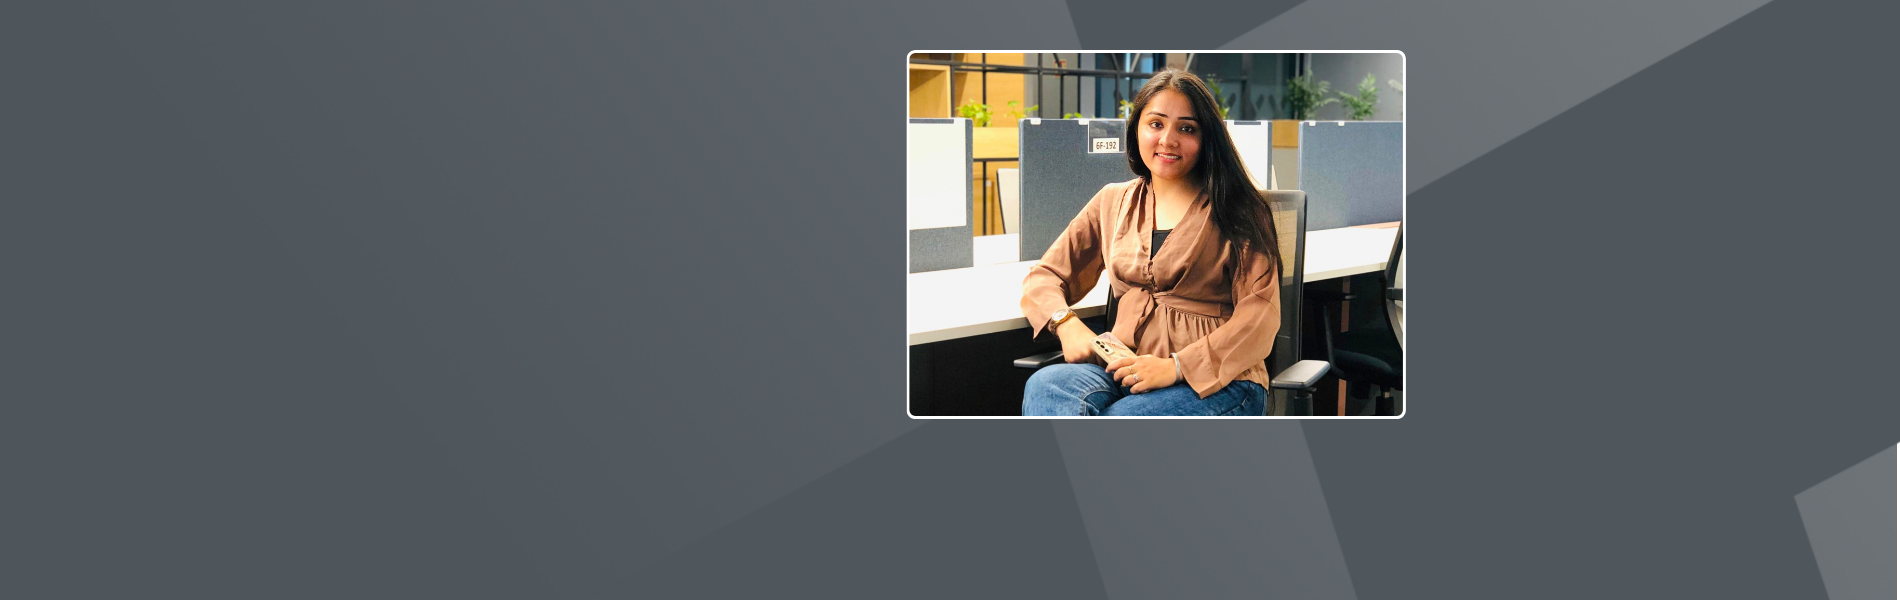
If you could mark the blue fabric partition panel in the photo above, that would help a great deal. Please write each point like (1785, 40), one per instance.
(1060, 173)
(940, 248)
(1353, 174)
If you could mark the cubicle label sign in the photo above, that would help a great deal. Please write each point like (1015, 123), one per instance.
(1105, 135)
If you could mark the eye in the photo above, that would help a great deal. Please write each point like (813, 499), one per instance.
(1187, 129)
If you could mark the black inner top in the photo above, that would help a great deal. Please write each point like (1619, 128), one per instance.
(1161, 235)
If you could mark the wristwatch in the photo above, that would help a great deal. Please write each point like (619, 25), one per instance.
(1060, 316)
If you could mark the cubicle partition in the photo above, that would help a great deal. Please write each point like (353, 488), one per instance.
(1254, 142)
(1064, 162)
(938, 196)
(1352, 172)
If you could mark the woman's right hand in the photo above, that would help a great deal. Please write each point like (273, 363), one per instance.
(1076, 340)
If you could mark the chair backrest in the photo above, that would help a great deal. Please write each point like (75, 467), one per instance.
(1395, 279)
(1289, 221)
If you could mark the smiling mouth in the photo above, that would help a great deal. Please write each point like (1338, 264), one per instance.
(1169, 156)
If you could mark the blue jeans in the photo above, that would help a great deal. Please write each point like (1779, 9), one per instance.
(1088, 390)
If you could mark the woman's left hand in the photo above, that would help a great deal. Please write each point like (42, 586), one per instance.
(1144, 372)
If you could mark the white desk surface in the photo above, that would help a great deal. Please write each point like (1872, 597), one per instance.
(1334, 253)
(958, 303)
(995, 249)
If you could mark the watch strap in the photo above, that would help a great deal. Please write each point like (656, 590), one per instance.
(1067, 314)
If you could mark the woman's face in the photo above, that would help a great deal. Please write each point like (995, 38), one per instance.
(1170, 140)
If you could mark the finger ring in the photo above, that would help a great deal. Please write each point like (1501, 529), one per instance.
(1134, 378)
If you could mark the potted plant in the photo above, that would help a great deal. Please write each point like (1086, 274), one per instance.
(1304, 97)
(1016, 111)
(1219, 96)
(981, 113)
(1366, 102)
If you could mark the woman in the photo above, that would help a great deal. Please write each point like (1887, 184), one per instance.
(1189, 246)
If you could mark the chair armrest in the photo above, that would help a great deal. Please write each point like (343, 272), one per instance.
(1395, 294)
(1302, 375)
(1324, 295)
(1039, 361)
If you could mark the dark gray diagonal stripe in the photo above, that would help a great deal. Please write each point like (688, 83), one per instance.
(1850, 521)
(1482, 73)
(954, 509)
(1634, 373)
(1204, 509)
(783, 430)
(1181, 25)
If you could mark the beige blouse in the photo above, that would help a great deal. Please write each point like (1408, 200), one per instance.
(1187, 301)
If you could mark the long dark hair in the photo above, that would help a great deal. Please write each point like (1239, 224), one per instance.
(1240, 213)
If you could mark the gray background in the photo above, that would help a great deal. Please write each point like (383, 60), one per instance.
(1847, 518)
(412, 300)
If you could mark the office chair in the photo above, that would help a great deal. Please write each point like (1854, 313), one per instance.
(1375, 354)
(1296, 377)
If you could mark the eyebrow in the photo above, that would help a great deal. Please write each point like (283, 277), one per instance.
(1159, 114)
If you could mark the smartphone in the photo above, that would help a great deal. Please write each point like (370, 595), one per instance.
(1110, 347)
